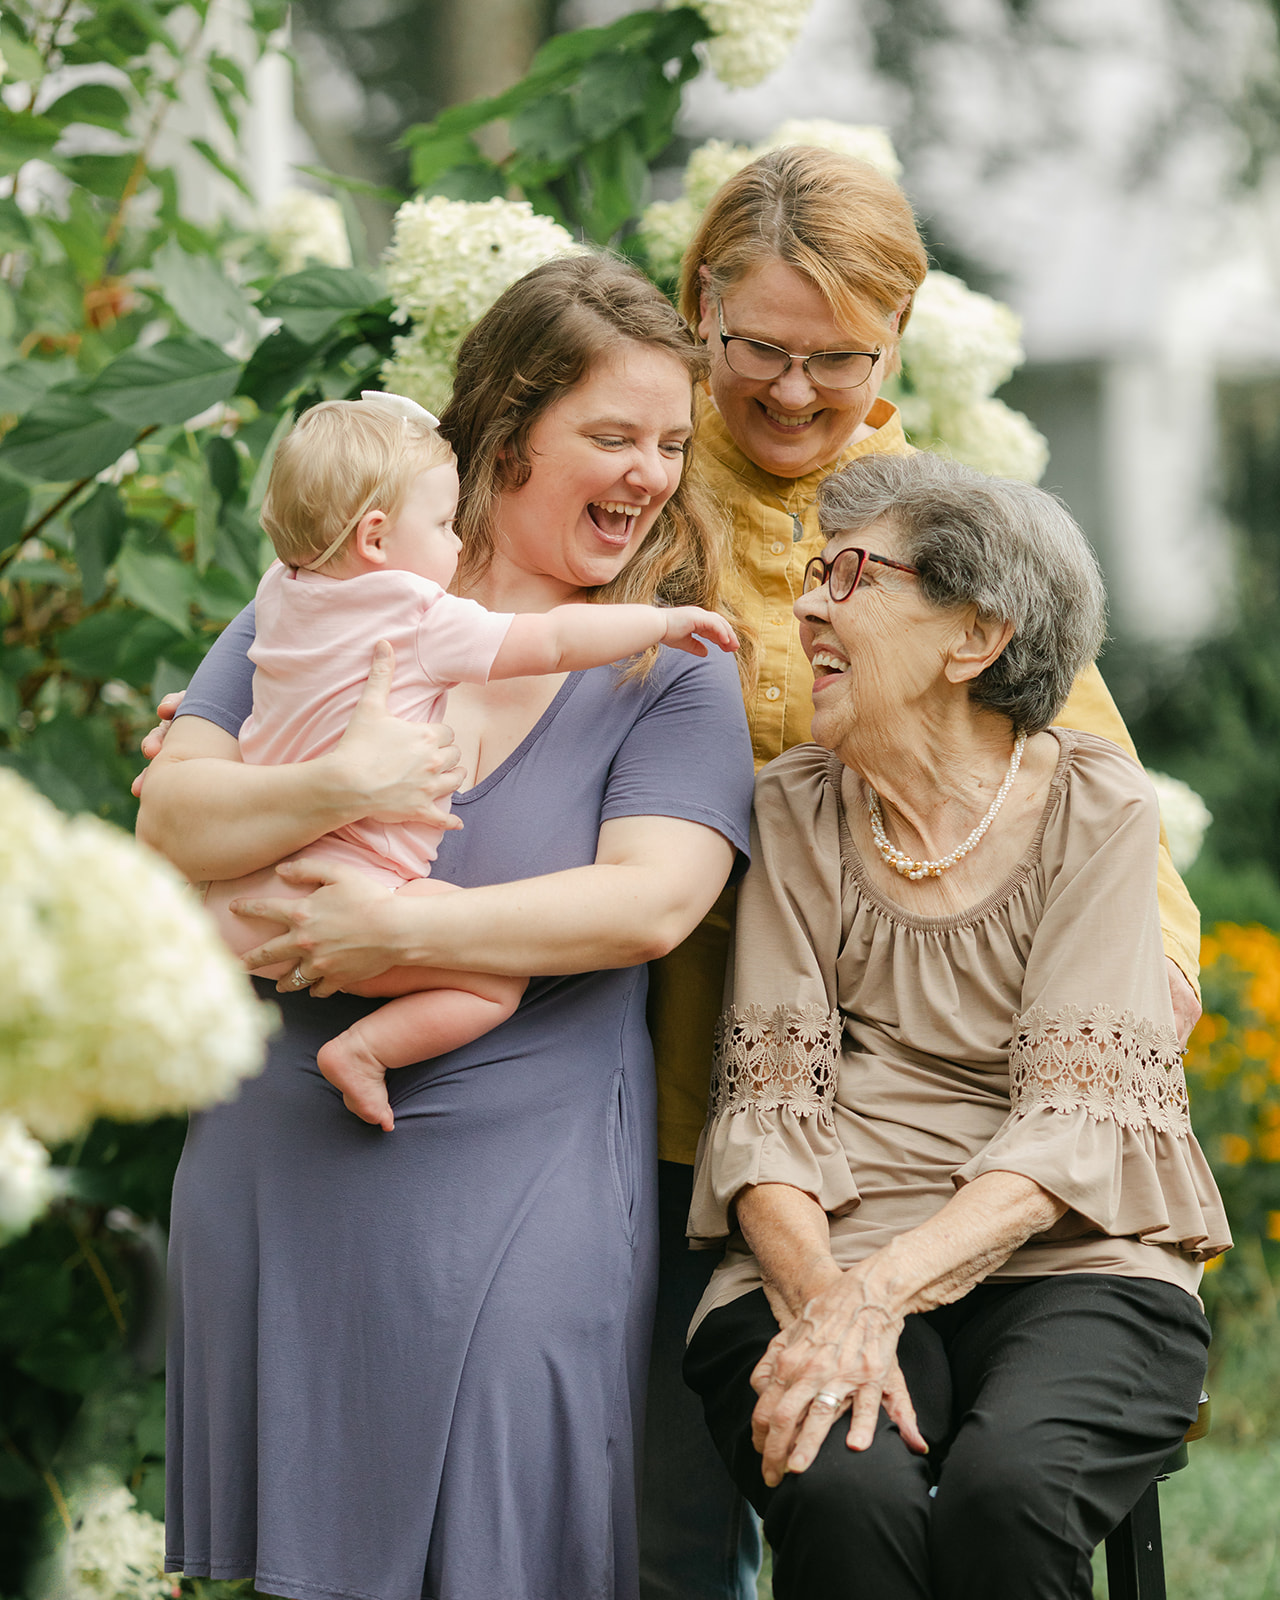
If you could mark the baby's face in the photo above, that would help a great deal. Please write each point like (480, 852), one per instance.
(420, 537)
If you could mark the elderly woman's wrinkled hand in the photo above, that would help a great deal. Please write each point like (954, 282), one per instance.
(839, 1354)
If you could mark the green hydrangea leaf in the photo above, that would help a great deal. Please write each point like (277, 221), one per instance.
(312, 302)
(165, 383)
(96, 103)
(64, 437)
(98, 525)
(201, 293)
(161, 584)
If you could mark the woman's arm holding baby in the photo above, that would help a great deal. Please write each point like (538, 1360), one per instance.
(215, 817)
(652, 881)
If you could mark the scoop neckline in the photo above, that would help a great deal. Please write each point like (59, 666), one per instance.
(464, 797)
(1000, 896)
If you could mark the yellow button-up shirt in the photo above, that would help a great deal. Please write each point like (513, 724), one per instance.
(775, 532)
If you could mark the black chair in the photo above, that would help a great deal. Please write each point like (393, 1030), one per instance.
(1135, 1556)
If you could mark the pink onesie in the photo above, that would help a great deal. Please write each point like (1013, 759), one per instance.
(315, 637)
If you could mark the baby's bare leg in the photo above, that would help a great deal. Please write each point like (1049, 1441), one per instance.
(435, 1011)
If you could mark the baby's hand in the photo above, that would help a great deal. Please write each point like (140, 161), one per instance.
(686, 623)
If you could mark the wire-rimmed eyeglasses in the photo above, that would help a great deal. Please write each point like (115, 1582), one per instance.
(827, 369)
(843, 573)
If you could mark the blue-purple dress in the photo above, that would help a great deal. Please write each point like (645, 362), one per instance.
(410, 1366)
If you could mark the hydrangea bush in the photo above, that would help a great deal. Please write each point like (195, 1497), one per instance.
(26, 1183)
(119, 999)
(449, 261)
(307, 229)
(1185, 816)
(750, 39)
(110, 1550)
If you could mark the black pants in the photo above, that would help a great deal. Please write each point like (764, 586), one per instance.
(1048, 1405)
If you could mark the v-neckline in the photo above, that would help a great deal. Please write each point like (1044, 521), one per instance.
(463, 797)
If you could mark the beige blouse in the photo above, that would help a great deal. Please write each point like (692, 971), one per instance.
(877, 1060)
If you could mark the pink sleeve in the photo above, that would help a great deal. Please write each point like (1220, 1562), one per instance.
(458, 640)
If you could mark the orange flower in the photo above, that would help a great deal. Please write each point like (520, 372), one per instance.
(1273, 1225)
(106, 301)
(1235, 1150)
(1269, 1145)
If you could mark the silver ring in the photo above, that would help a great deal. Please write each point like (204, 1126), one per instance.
(832, 1402)
(297, 980)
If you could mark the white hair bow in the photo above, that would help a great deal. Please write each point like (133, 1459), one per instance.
(401, 405)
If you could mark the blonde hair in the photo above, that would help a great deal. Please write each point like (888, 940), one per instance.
(539, 339)
(839, 222)
(339, 461)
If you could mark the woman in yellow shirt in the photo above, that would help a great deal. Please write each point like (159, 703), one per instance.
(800, 279)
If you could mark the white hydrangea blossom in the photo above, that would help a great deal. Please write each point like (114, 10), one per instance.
(420, 369)
(959, 345)
(957, 349)
(1185, 817)
(710, 165)
(750, 38)
(119, 997)
(112, 1552)
(448, 262)
(305, 227)
(986, 434)
(863, 141)
(665, 229)
(4, 67)
(26, 1183)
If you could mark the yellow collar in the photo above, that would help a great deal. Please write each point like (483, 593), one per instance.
(714, 437)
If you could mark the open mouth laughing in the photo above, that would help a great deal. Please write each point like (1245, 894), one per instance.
(781, 419)
(614, 520)
(826, 667)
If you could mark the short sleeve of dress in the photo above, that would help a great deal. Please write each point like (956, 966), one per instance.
(221, 691)
(1098, 1101)
(458, 640)
(687, 754)
(778, 1043)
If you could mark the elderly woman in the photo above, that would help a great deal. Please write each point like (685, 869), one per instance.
(949, 1141)
(800, 280)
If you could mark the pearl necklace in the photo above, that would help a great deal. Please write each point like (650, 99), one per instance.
(915, 870)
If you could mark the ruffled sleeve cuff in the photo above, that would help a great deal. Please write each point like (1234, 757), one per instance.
(1099, 1120)
(770, 1114)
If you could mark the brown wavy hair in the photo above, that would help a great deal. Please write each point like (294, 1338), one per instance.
(538, 340)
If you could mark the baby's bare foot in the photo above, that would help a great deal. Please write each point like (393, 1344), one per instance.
(349, 1064)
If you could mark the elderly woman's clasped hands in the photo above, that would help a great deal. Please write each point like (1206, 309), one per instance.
(838, 1352)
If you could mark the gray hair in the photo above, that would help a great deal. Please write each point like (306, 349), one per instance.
(1007, 548)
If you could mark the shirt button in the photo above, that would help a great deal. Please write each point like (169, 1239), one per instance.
(772, 692)
(777, 547)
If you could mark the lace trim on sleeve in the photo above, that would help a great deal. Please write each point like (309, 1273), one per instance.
(1117, 1068)
(771, 1060)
